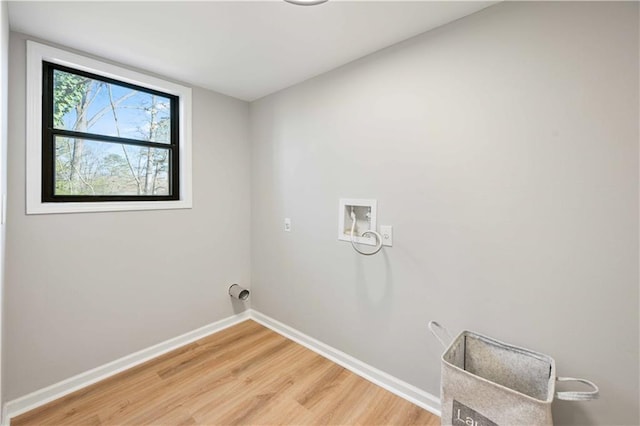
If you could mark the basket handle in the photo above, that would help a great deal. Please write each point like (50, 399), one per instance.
(437, 330)
(578, 396)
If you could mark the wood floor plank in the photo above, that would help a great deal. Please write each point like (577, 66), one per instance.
(348, 398)
(318, 390)
(243, 375)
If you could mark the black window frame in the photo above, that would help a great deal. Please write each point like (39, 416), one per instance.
(49, 132)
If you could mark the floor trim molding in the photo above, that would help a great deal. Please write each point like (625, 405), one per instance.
(394, 385)
(386, 381)
(42, 396)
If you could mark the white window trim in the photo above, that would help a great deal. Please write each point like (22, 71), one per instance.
(36, 53)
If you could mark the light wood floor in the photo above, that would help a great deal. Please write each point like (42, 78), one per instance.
(244, 375)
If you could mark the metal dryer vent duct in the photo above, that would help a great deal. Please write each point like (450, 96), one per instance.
(238, 292)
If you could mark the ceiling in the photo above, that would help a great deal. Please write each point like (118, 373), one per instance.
(244, 49)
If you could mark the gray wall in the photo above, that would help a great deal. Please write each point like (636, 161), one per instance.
(503, 148)
(85, 289)
(4, 85)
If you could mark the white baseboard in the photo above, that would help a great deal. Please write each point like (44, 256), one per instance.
(57, 390)
(386, 381)
(392, 384)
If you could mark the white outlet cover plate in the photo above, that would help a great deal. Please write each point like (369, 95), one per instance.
(386, 231)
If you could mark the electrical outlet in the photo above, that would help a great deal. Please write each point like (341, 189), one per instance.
(387, 235)
(287, 224)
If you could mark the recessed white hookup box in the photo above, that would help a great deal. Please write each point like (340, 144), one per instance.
(365, 211)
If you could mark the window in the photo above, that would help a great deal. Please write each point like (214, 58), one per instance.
(103, 138)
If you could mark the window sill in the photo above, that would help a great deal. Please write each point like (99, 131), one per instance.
(109, 206)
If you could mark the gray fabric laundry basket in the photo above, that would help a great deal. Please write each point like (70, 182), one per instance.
(486, 382)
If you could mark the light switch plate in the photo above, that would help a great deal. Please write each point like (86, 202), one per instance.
(387, 235)
(287, 224)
